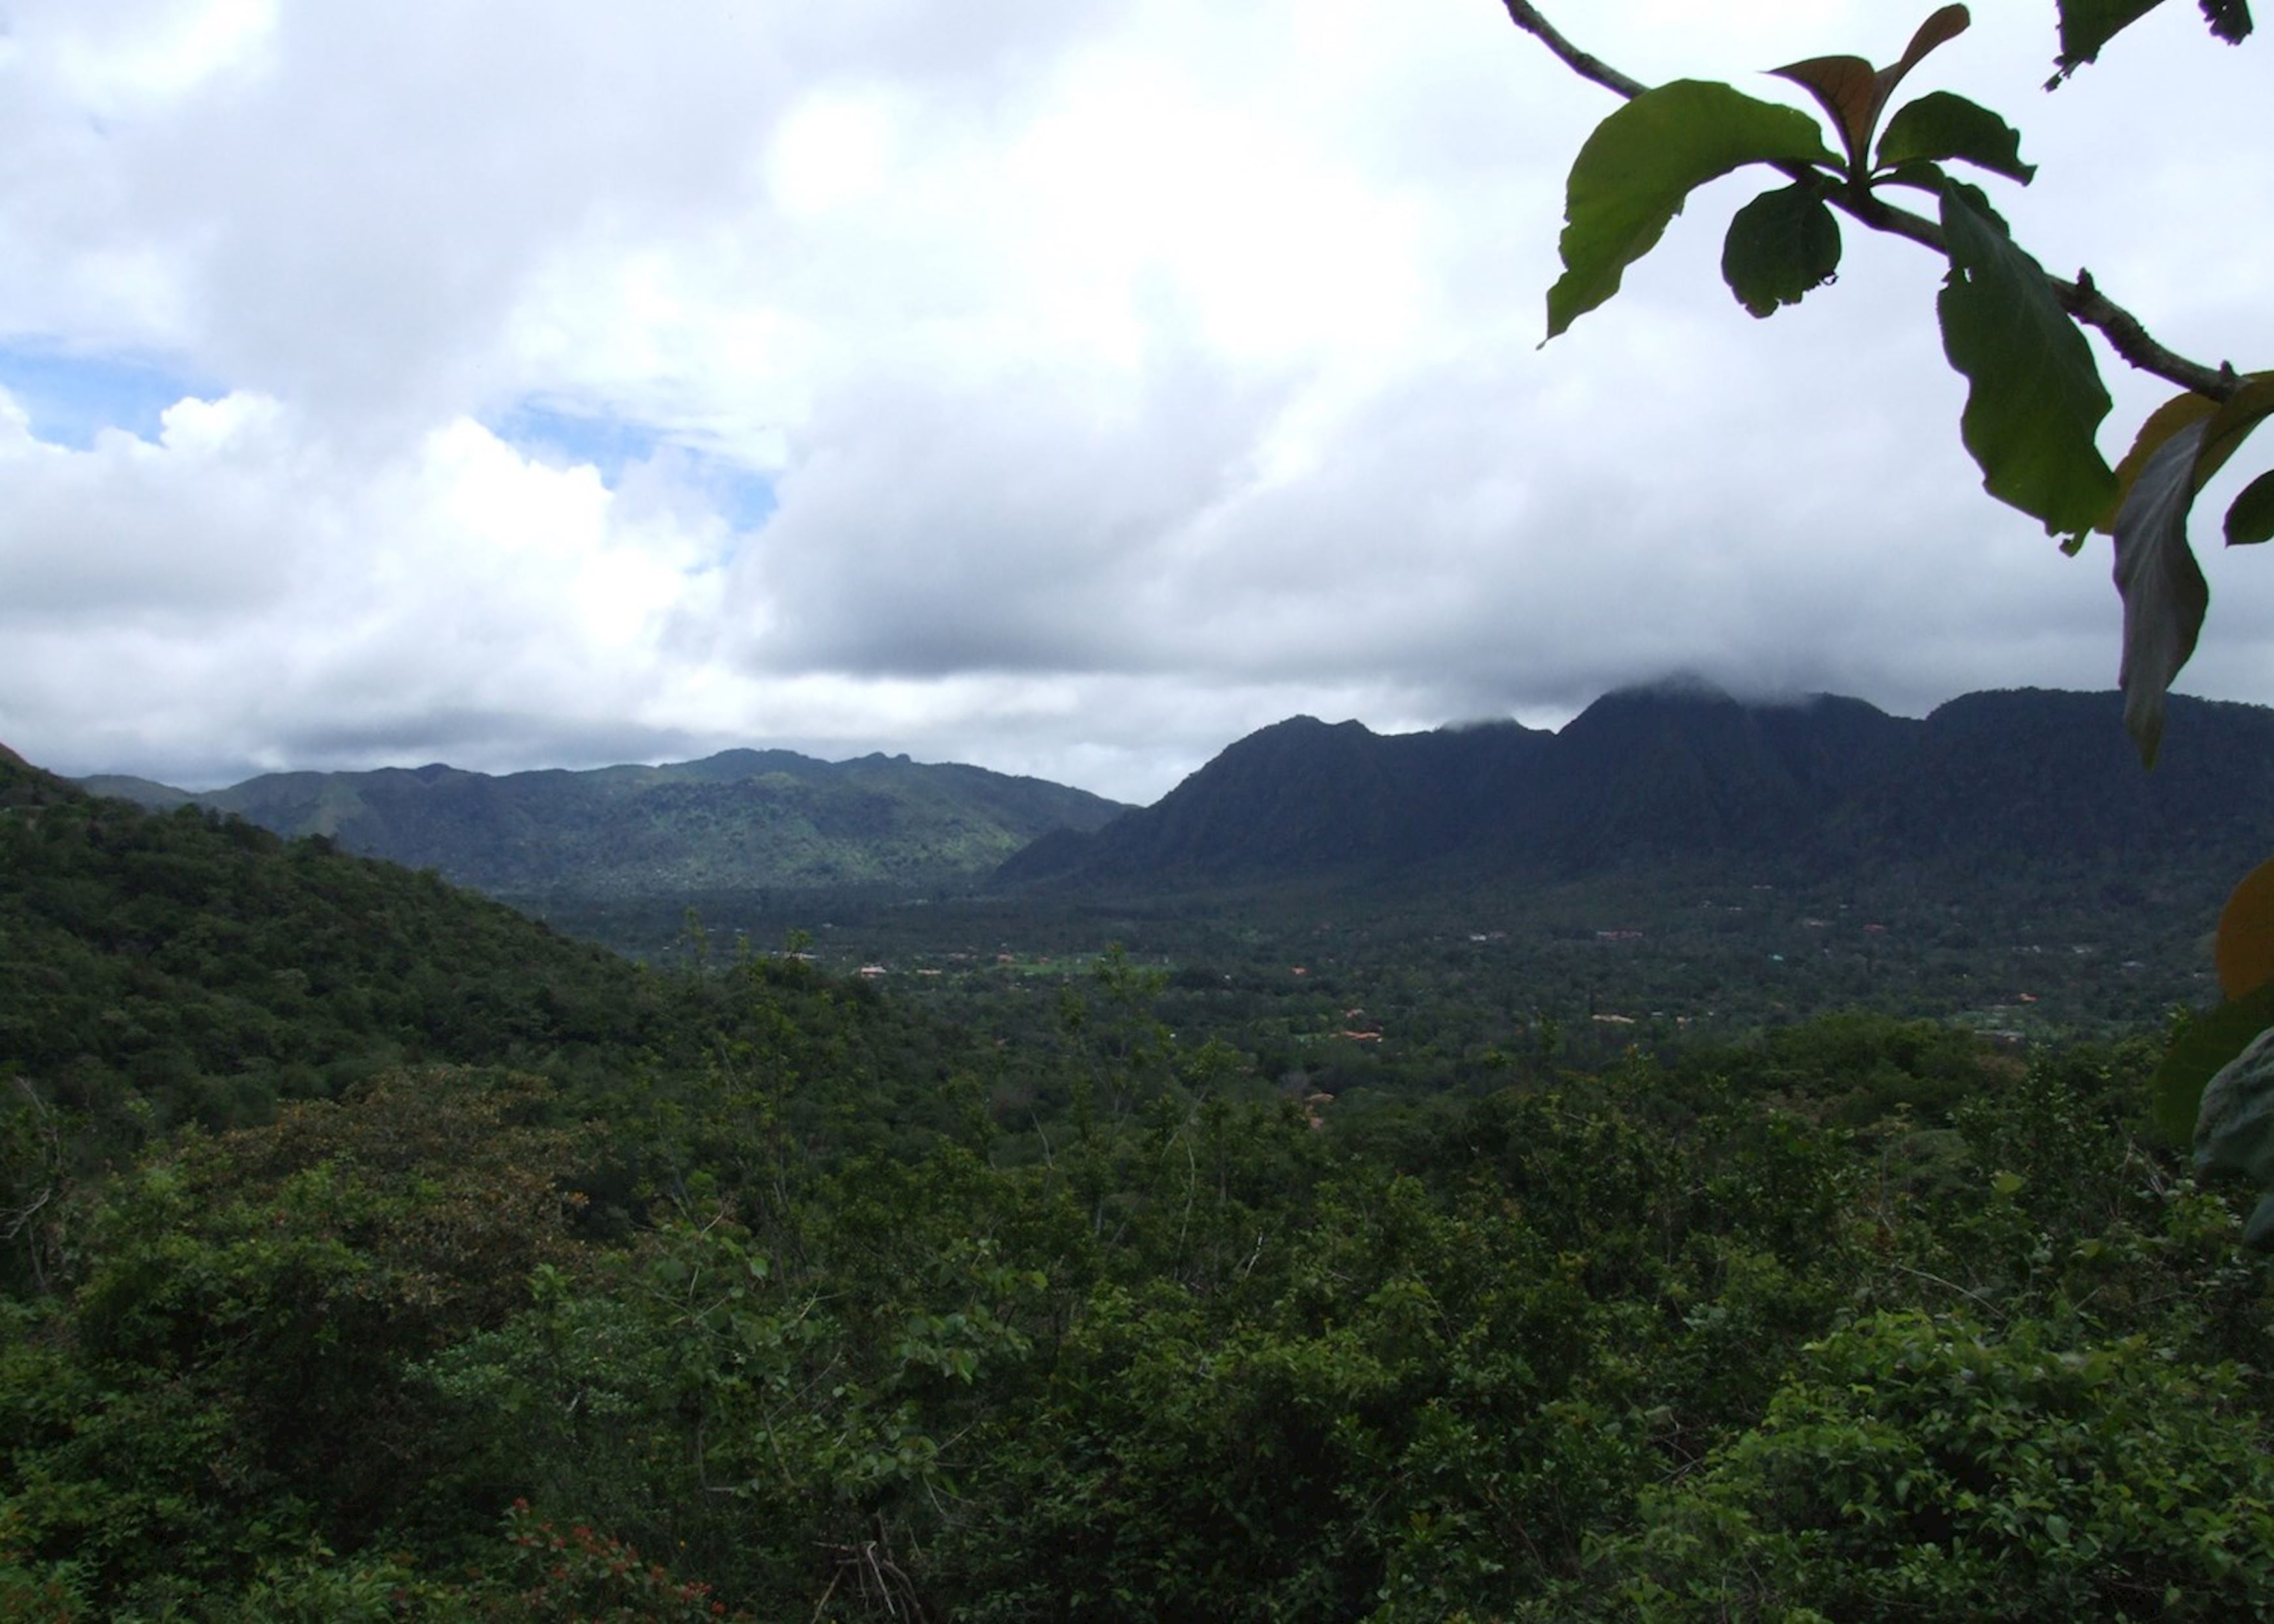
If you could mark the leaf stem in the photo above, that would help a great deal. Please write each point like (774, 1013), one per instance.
(2083, 298)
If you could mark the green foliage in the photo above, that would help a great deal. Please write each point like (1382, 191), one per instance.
(1941, 125)
(1202, 1359)
(2234, 1128)
(245, 1314)
(2035, 400)
(2201, 1046)
(1640, 166)
(1854, 95)
(595, 1577)
(2251, 521)
(1919, 1467)
(1781, 245)
(2162, 587)
(2035, 396)
(161, 968)
(834, 1313)
(2088, 25)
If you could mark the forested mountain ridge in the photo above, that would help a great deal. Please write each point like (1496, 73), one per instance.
(740, 819)
(1667, 776)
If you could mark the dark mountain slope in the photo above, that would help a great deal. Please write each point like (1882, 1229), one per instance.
(2036, 777)
(1657, 774)
(1990, 783)
(1304, 797)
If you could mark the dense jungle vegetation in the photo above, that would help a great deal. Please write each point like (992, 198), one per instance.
(372, 1252)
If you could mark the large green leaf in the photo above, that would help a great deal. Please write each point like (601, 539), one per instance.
(1781, 245)
(2210, 1042)
(2034, 399)
(2251, 520)
(1640, 166)
(2163, 588)
(1941, 126)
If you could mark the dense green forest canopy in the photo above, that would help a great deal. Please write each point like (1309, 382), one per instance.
(376, 1253)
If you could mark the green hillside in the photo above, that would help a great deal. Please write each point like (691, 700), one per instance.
(203, 967)
(166, 969)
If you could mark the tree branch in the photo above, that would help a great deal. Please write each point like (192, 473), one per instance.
(2128, 338)
(1527, 17)
(2083, 299)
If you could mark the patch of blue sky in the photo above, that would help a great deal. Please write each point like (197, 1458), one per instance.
(612, 446)
(71, 398)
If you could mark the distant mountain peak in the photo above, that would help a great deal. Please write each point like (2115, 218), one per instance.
(1678, 685)
(1307, 723)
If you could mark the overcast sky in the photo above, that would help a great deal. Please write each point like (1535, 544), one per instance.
(1065, 385)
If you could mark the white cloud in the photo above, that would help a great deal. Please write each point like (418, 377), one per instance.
(1119, 377)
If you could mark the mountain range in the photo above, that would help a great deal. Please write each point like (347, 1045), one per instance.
(1990, 783)
(740, 820)
(2019, 782)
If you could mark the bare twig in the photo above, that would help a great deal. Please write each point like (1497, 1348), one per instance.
(39, 1239)
(821, 1606)
(1527, 17)
(2082, 298)
(1951, 1285)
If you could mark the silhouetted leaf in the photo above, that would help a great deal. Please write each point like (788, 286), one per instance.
(1847, 88)
(1854, 95)
(1640, 167)
(1942, 26)
(1942, 125)
(1967, 193)
(2035, 398)
(2229, 19)
(2088, 25)
(2163, 588)
(1781, 245)
(2251, 520)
